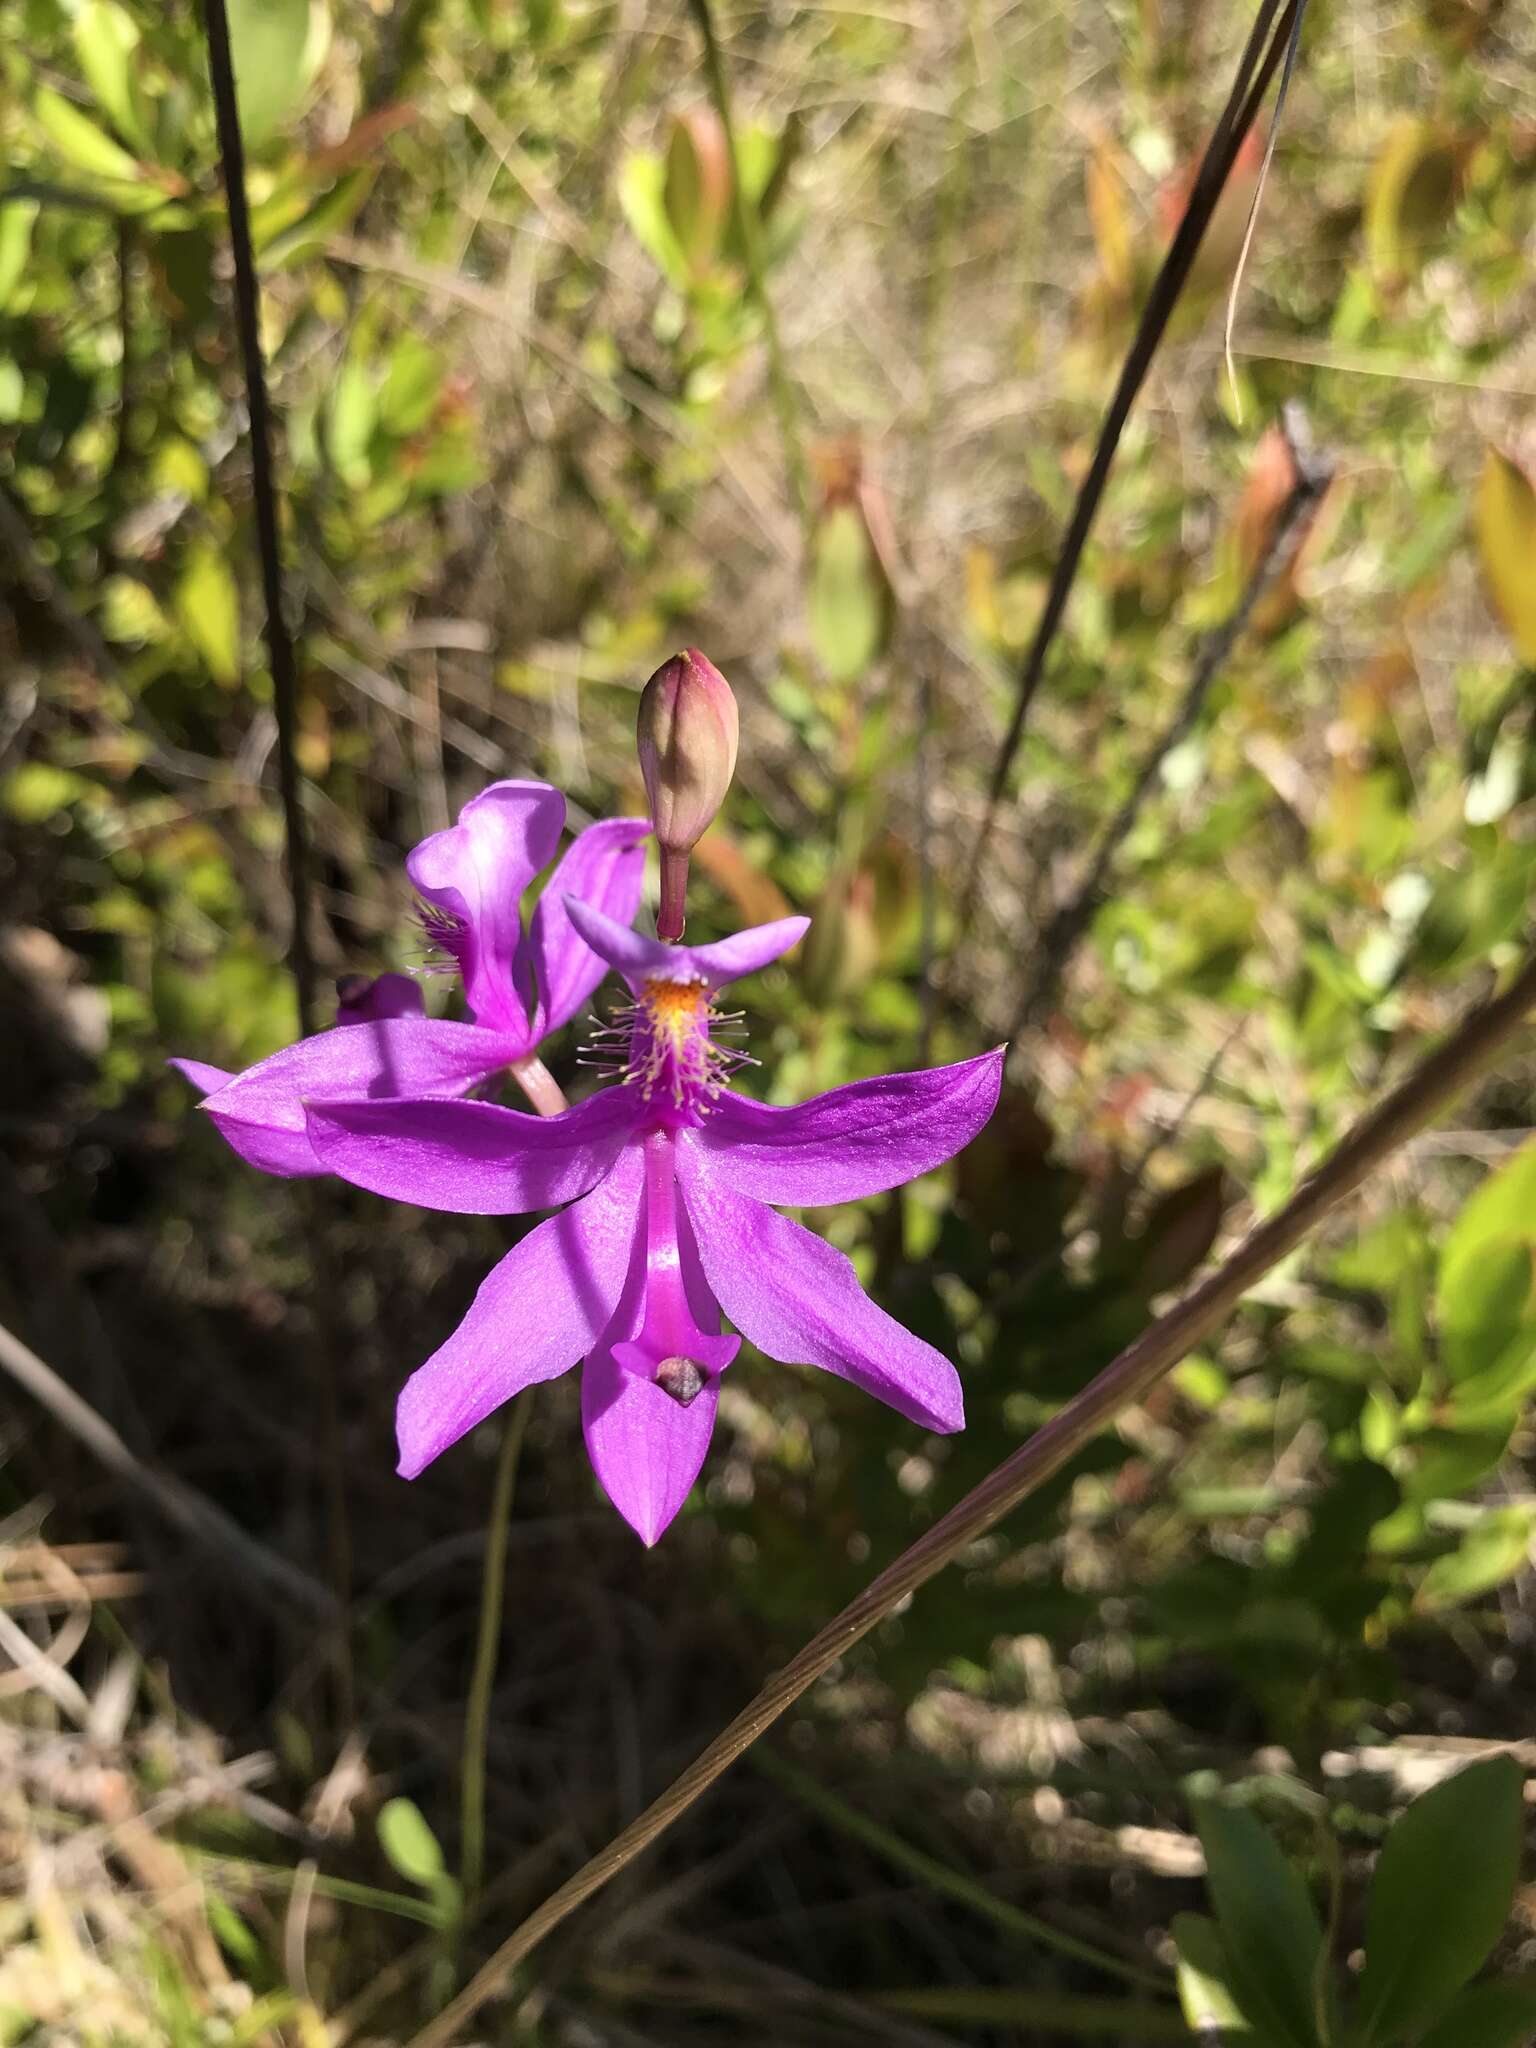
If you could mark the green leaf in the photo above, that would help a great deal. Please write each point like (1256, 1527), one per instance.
(848, 605)
(270, 42)
(1475, 910)
(208, 606)
(38, 791)
(1498, 2015)
(696, 187)
(105, 41)
(328, 216)
(1410, 198)
(1204, 1997)
(16, 220)
(1486, 1292)
(1448, 1462)
(351, 417)
(642, 201)
(1491, 1551)
(1440, 1896)
(82, 145)
(410, 1844)
(1269, 1927)
(412, 385)
(1506, 543)
(1362, 1495)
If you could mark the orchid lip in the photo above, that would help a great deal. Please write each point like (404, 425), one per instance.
(669, 1347)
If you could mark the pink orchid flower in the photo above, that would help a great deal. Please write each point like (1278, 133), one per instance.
(670, 1178)
(520, 985)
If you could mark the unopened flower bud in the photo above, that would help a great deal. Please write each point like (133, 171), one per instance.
(687, 735)
(697, 191)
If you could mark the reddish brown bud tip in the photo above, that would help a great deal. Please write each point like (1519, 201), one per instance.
(687, 735)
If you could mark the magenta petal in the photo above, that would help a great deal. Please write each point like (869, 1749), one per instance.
(267, 1147)
(640, 959)
(401, 1056)
(201, 1075)
(476, 872)
(853, 1141)
(799, 1300)
(605, 868)
(536, 1313)
(644, 1447)
(473, 1158)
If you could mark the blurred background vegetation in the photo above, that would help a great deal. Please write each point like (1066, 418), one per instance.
(537, 432)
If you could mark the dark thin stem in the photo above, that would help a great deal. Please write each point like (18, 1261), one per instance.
(748, 227)
(1072, 920)
(1237, 117)
(280, 657)
(1435, 1081)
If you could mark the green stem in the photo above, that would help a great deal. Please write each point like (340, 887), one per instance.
(744, 210)
(482, 1681)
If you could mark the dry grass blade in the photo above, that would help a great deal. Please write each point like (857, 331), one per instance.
(1426, 1090)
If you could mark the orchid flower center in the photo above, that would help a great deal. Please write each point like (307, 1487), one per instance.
(672, 1059)
(664, 1046)
(671, 1349)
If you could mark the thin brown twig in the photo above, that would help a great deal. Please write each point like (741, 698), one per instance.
(1435, 1081)
(1254, 74)
(1071, 921)
(280, 656)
